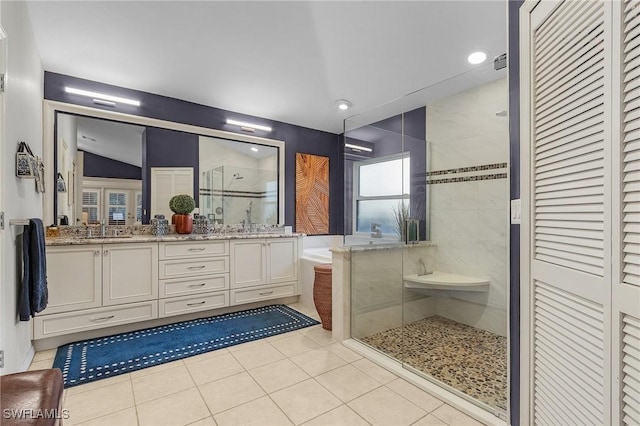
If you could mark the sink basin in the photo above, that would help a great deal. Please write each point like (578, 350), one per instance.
(445, 281)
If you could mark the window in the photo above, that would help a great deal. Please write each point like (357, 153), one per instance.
(138, 206)
(117, 207)
(381, 191)
(91, 205)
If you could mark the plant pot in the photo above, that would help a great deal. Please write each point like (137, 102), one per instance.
(184, 223)
(173, 219)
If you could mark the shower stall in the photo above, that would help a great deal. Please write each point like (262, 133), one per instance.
(233, 195)
(436, 158)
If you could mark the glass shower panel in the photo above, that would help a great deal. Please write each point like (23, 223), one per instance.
(462, 341)
(439, 307)
(232, 195)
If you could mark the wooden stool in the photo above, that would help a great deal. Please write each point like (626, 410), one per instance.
(322, 293)
(32, 398)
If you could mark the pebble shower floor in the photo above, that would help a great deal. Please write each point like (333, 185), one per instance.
(471, 360)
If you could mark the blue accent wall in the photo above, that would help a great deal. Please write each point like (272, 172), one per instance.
(513, 58)
(296, 138)
(103, 167)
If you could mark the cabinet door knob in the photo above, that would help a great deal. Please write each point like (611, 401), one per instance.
(96, 253)
(264, 244)
(106, 252)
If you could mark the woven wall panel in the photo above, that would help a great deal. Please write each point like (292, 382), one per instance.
(312, 194)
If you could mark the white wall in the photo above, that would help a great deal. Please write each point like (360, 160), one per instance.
(67, 132)
(470, 220)
(22, 121)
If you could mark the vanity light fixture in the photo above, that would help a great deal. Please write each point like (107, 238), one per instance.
(343, 104)
(477, 58)
(254, 149)
(105, 103)
(358, 147)
(101, 98)
(249, 127)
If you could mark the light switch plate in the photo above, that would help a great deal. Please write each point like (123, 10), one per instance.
(516, 209)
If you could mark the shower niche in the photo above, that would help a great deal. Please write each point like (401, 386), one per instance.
(242, 191)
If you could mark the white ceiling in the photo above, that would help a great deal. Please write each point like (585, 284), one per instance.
(286, 61)
(119, 141)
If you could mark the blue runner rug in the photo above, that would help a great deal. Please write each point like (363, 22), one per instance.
(90, 360)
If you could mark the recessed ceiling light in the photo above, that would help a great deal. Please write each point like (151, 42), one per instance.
(343, 104)
(477, 58)
(254, 149)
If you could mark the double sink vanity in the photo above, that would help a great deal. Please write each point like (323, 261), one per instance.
(96, 283)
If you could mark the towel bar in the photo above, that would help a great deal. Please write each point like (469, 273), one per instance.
(19, 222)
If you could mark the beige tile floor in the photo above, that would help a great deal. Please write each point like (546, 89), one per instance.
(301, 378)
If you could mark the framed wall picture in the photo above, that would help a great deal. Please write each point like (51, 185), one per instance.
(312, 194)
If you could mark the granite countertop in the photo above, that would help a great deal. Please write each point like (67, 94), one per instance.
(148, 238)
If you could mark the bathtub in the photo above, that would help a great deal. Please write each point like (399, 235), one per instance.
(315, 251)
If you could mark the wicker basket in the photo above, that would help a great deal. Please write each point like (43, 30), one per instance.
(322, 293)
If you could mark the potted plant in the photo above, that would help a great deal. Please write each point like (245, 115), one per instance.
(182, 205)
(400, 216)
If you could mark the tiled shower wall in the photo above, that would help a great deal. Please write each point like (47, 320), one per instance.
(469, 200)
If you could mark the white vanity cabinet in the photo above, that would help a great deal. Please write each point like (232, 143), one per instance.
(194, 276)
(74, 278)
(129, 273)
(97, 285)
(263, 269)
(94, 286)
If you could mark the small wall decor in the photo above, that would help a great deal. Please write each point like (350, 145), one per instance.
(61, 185)
(39, 174)
(26, 164)
(312, 194)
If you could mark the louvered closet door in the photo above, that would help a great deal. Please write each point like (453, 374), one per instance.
(626, 278)
(571, 223)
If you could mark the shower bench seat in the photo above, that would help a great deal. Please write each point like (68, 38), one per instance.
(439, 280)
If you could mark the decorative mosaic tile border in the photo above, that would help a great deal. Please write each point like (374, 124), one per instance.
(468, 178)
(468, 169)
(471, 178)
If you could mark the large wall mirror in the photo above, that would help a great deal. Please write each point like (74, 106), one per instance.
(123, 169)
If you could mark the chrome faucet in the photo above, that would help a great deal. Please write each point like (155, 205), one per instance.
(103, 228)
(423, 269)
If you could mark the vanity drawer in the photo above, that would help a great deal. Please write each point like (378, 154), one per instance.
(180, 287)
(91, 319)
(238, 297)
(187, 268)
(186, 304)
(193, 249)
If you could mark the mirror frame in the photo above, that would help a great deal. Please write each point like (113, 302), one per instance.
(50, 108)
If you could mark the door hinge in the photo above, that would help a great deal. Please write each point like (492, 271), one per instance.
(1, 220)
(1, 359)
(1, 83)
